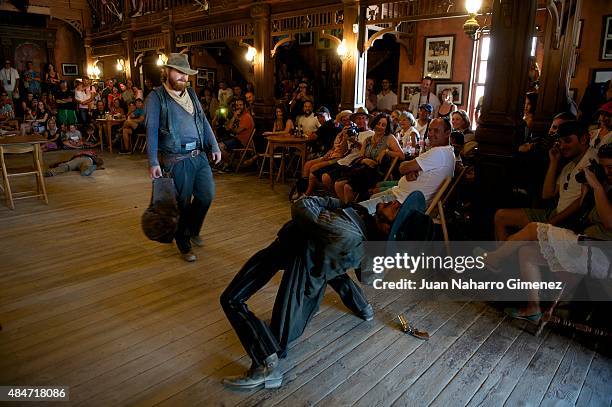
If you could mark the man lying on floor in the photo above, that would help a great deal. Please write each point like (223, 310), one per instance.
(85, 162)
(318, 246)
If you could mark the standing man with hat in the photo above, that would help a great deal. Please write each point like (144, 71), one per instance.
(177, 128)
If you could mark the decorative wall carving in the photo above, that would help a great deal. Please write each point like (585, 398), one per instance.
(150, 43)
(215, 33)
(312, 20)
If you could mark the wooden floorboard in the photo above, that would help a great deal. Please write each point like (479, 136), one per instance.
(87, 301)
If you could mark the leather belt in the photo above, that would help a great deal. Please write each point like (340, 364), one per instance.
(174, 158)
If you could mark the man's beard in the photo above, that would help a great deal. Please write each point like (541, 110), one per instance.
(179, 87)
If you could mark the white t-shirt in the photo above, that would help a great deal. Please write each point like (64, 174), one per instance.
(309, 124)
(404, 136)
(80, 96)
(418, 100)
(598, 140)
(356, 151)
(386, 102)
(436, 164)
(569, 188)
(9, 78)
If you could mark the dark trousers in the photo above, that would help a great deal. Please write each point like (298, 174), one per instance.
(293, 307)
(195, 189)
(84, 117)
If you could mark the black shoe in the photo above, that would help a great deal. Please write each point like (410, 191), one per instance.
(197, 240)
(268, 375)
(367, 314)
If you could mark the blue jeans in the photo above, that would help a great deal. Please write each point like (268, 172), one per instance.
(195, 189)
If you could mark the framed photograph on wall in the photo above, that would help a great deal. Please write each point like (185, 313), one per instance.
(601, 76)
(407, 89)
(438, 61)
(305, 38)
(606, 39)
(455, 87)
(70, 70)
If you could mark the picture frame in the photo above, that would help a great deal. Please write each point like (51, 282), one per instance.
(204, 75)
(407, 90)
(578, 36)
(201, 81)
(305, 38)
(601, 76)
(438, 59)
(70, 70)
(605, 53)
(456, 88)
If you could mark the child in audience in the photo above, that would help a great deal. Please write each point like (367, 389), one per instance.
(91, 140)
(73, 138)
(52, 133)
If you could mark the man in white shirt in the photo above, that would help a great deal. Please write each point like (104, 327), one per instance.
(10, 80)
(426, 172)
(424, 97)
(572, 145)
(386, 99)
(603, 135)
(225, 95)
(307, 122)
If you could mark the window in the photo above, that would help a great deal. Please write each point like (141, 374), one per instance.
(479, 74)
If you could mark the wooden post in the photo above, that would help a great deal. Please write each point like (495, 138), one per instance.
(128, 42)
(501, 126)
(354, 64)
(263, 66)
(557, 65)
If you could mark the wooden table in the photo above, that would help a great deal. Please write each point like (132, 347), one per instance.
(107, 124)
(20, 145)
(284, 140)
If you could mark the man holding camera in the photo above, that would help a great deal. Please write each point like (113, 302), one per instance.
(572, 145)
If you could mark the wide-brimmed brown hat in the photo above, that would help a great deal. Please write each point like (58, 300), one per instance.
(360, 111)
(343, 113)
(180, 63)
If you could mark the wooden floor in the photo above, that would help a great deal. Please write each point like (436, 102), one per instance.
(87, 301)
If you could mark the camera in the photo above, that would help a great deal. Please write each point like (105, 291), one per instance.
(595, 168)
(352, 131)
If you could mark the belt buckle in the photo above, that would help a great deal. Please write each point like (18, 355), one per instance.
(194, 153)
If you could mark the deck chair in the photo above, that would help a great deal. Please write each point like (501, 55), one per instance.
(249, 148)
(394, 164)
(436, 207)
(35, 170)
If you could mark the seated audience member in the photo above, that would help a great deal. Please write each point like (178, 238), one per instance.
(543, 144)
(28, 119)
(447, 107)
(210, 104)
(326, 133)
(92, 139)
(52, 133)
(249, 98)
(423, 120)
(425, 173)
(325, 235)
(307, 122)
(531, 101)
(461, 123)
(41, 117)
(559, 249)
(135, 118)
(424, 97)
(299, 97)
(407, 135)
(341, 168)
(386, 99)
(572, 146)
(99, 112)
(239, 128)
(371, 99)
(127, 94)
(603, 134)
(225, 95)
(85, 162)
(375, 151)
(282, 121)
(361, 118)
(72, 138)
(395, 121)
(339, 150)
(114, 96)
(116, 110)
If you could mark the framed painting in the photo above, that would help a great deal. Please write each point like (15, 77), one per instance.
(606, 39)
(70, 70)
(407, 90)
(438, 61)
(455, 87)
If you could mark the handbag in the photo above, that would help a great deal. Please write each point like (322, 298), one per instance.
(160, 220)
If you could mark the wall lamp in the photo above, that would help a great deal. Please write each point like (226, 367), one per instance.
(343, 51)
(471, 27)
(250, 54)
(120, 64)
(93, 71)
(161, 59)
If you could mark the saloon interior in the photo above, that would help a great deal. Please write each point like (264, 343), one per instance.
(87, 302)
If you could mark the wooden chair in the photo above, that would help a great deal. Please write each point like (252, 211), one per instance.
(394, 164)
(140, 142)
(250, 147)
(36, 170)
(436, 207)
(267, 155)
